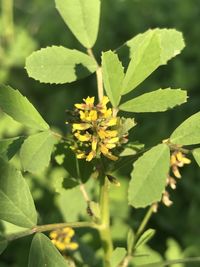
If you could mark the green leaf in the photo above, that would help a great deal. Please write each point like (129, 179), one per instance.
(196, 155)
(188, 133)
(145, 237)
(9, 147)
(113, 75)
(16, 203)
(174, 251)
(148, 51)
(3, 244)
(147, 184)
(79, 169)
(20, 109)
(44, 253)
(171, 262)
(157, 101)
(117, 256)
(131, 148)
(57, 64)
(36, 151)
(82, 18)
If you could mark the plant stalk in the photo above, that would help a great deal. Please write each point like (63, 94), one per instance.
(104, 230)
(50, 227)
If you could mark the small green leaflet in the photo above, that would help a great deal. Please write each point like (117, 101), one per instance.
(196, 155)
(36, 151)
(16, 203)
(113, 75)
(188, 133)
(13, 103)
(117, 256)
(71, 204)
(145, 237)
(130, 241)
(148, 51)
(44, 254)
(156, 101)
(57, 64)
(82, 18)
(147, 184)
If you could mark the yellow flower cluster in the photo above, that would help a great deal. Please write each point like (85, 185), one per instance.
(96, 131)
(61, 238)
(177, 160)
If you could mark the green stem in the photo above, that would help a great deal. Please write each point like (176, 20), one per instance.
(144, 222)
(7, 20)
(50, 227)
(104, 229)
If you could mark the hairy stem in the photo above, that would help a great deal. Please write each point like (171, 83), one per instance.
(98, 74)
(104, 231)
(50, 227)
(144, 222)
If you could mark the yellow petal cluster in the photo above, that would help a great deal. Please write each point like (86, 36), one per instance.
(61, 238)
(96, 131)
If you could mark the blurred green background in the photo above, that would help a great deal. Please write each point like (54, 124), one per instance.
(37, 24)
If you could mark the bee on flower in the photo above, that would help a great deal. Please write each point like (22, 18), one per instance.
(61, 238)
(96, 131)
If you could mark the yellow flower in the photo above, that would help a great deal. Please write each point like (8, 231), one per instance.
(96, 130)
(80, 126)
(177, 160)
(61, 238)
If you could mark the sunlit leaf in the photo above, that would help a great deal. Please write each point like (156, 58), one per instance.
(145, 237)
(82, 18)
(196, 154)
(57, 64)
(188, 133)
(117, 256)
(147, 184)
(36, 151)
(159, 100)
(148, 51)
(13, 103)
(16, 203)
(113, 75)
(44, 253)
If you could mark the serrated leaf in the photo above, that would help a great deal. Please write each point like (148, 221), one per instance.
(57, 64)
(82, 18)
(113, 75)
(196, 155)
(188, 133)
(145, 237)
(36, 151)
(148, 51)
(117, 256)
(13, 103)
(9, 147)
(16, 203)
(157, 101)
(44, 253)
(147, 184)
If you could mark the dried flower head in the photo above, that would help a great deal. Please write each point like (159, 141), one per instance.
(177, 160)
(96, 131)
(61, 238)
